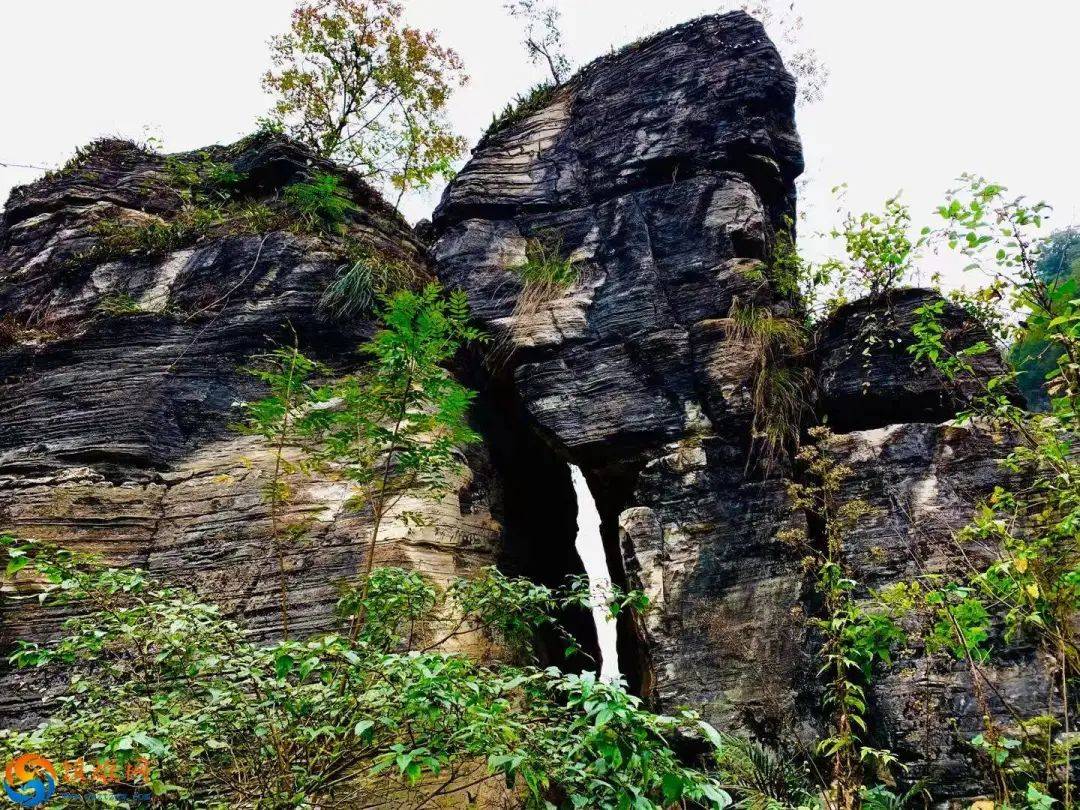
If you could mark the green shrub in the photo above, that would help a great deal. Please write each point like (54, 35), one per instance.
(203, 176)
(322, 205)
(157, 674)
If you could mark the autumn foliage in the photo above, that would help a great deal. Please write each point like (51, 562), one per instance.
(361, 87)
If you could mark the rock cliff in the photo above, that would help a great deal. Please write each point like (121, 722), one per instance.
(119, 377)
(666, 188)
(661, 177)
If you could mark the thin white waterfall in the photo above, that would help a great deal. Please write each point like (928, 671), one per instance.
(590, 548)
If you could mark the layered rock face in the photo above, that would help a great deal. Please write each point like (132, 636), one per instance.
(119, 379)
(662, 175)
(662, 172)
(922, 479)
(865, 374)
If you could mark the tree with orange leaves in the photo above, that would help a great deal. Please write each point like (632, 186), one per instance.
(355, 82)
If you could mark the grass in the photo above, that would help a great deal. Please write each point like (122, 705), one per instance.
(212, 205)
(779, 388)
(524, 105)
(361, 281)
(545, 275)
(118, 304)
(203, 177)
(98, 147)
(152, 236)
(13, 333)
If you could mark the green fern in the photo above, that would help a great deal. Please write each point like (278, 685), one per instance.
(322, 205)
(762, 778)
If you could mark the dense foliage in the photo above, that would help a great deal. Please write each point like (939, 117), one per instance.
(154, 671)
(1035, 355)
(1031, 587)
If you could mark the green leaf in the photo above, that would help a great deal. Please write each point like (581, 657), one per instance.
(283, 665)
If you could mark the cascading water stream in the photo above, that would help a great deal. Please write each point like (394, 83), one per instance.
(590, 548)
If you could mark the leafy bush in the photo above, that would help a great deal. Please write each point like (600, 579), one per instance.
(331, 720)
(1035, 355)
(761, 777)
(202, 176)
(322, 205)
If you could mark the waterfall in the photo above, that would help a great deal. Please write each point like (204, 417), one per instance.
(590, 548)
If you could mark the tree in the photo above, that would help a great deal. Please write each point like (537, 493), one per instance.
(361, 87)
(543, 38)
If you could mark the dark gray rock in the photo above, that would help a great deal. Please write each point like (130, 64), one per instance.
(657, 167)
(116, 436)
(921, 482)
(866, 375)
(665, 170)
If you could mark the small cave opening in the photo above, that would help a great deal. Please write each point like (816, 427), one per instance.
(538, 510)
(559, 508)
(558, 520)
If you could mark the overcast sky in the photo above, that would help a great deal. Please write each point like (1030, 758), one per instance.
(920, 90)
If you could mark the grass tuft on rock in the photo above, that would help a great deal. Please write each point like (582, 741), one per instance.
(535, 99)
(361, 281)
